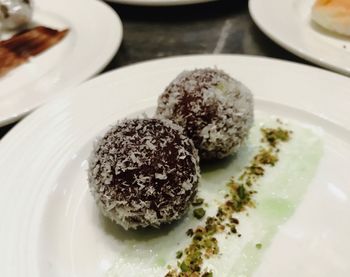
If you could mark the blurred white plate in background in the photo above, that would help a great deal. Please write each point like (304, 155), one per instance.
(94, 37)
(50, 225)
(288, 23)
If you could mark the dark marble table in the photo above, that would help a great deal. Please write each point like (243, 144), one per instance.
(224, 26)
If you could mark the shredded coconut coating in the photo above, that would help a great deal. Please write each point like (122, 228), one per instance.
(144, 172)
(215, 110)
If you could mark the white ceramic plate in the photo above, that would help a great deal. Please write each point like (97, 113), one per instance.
(160, 2)
(50, 224)
(94, 37)
(288, 23)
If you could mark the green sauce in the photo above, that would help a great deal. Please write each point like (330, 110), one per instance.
(278, 195)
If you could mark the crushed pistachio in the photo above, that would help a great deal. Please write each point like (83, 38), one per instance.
(184, 267)
(179, 254)
(190, 232)
(198, 213)
(274, 136)
(266, 157)
(239, 198)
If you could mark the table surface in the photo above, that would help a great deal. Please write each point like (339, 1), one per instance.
(223, 26)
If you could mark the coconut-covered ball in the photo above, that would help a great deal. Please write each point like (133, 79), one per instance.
(15, 13)
(215, 110)
(144, 172)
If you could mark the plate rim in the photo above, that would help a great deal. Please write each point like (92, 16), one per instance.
(254, 13)
(106, 58)
(107, 75)
(32, 123)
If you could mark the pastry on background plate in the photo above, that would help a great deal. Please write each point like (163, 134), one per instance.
(333, 15)
(26, 44)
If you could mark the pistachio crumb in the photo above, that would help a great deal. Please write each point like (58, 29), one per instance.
(274, 136)
(238, 199)
(189, 232)
(179, 254)
(184, 267)
(198, 213)
(198, 202)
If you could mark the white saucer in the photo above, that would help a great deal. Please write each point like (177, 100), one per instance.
(50, 225)
(94, 37)
(288, 23)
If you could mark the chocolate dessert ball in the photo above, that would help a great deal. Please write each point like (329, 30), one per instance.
(144, 172)
(215, 110)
